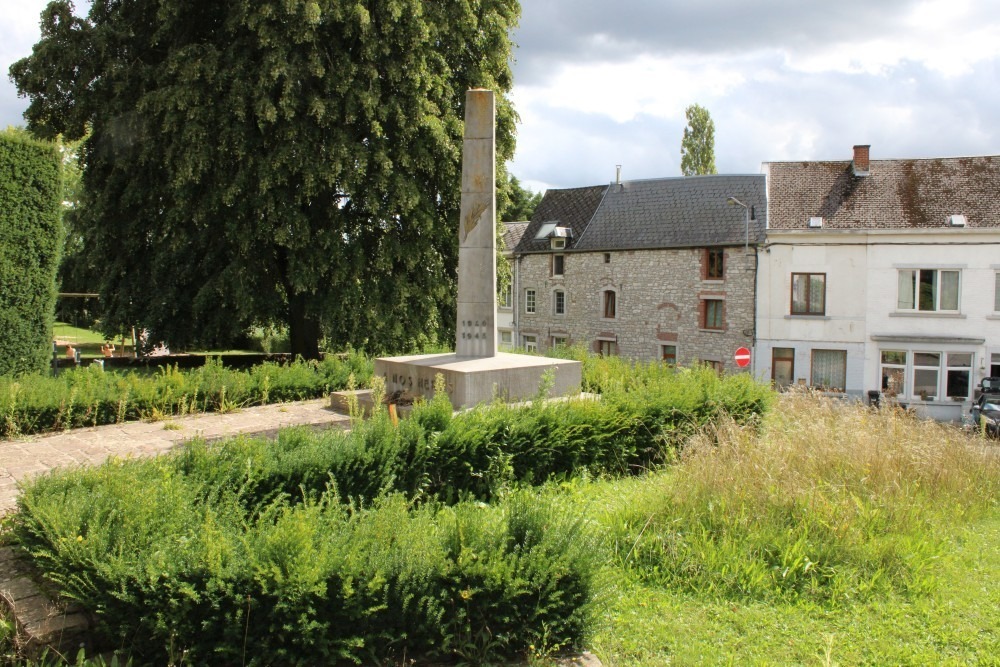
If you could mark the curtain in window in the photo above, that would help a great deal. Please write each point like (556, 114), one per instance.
(609, 304)
(906, 290)
(829, 369)
(949, 290)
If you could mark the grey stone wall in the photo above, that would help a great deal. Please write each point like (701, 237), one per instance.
(659, 302)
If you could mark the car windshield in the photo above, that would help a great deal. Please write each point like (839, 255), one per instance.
(991, 406)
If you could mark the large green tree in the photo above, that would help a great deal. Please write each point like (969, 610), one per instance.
(272, 161)
(698, 144)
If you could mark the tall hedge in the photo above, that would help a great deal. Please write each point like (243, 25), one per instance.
(30, 242)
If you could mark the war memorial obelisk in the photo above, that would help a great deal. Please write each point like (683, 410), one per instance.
(476, 372)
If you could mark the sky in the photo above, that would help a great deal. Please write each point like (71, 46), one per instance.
(598, 84)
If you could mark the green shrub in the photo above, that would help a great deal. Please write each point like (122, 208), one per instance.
(91, 396)
(30, 243)
(162, 562)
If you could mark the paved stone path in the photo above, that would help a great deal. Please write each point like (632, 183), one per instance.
(23, 458)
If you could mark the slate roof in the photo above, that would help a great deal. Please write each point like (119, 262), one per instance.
(512, 233)
(656, 213)
(572, 207)
(897, 194)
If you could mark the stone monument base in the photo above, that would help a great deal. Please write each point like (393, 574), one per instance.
(473, 380)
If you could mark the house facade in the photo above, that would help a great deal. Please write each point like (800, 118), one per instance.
(882, 276)
(506, 339)
(652, 269)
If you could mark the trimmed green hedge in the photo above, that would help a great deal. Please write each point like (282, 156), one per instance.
(91, 396)
(31, 239)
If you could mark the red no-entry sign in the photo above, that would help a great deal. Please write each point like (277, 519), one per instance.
(742, 357)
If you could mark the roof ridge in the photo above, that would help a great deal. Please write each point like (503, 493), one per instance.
(586, 228)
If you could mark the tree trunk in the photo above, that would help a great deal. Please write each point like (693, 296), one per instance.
(303, 330)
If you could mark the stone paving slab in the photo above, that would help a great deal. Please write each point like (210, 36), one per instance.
(23, 458)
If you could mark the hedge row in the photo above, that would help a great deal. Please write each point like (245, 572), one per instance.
(91, 396)
(322, 547)
(31, 239)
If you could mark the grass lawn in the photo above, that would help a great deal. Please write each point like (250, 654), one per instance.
(957, 624)
(88, 342)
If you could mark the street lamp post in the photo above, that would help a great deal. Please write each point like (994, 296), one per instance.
(733, 201)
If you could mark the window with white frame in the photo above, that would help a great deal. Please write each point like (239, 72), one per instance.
(529, 301)
(958, 375)
(529, 343)
(893, 372)
(996, 294)
(926, 373)
(506, 297)
(558, 340)
(929, 290)
(559, 302)
(829, 369)
(506, 339)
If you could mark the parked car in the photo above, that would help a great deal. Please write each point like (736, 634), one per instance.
(987, 411)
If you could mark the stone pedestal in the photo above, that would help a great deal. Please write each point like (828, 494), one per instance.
(473, 380)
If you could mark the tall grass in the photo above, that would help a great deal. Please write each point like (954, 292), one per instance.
(832, 501)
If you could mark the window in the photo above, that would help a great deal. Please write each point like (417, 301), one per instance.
(957, 375)
(893, 372)
(610, 307)
(558, 264)
(808, 294)
(668, 354)
(829, 369)
(996, 294)
(782, 367)
(559, 302)
(529, 301)
(926, 366)
(505, 299)
(559, 340)
(506, 340)
(712, 313)
(928, 290)
(714, 364)
(607, 258)
(714, 268)
(529, 343)
(607, 348)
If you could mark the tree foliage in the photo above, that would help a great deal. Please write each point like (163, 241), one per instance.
(520, 203)
(698, 144)
(272, 161)
(30, 241)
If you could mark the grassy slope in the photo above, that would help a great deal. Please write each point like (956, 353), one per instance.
(957, 625)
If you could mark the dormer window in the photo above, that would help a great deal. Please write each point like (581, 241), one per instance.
(957, 221)
(557, 243)
(815, 222)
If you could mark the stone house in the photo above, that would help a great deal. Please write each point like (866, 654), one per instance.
(882, 276)
(650, 269)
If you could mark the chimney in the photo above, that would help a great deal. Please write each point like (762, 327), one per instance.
(860, 164)
(618, 174)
